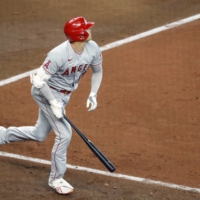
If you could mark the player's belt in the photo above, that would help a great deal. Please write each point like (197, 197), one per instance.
(62, 91)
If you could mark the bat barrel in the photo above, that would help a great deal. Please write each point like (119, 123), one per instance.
(101, 157)
(93, 148)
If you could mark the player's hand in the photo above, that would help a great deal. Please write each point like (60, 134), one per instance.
(56, 108)
(92, 101)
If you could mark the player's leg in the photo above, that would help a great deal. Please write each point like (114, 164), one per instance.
(59, 151)
(63, 134)
(62, 131)
(59, 156)
(38, 132)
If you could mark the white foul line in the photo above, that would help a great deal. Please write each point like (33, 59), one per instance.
(115, 175)
(117, 43)
(17, 77)
(106, 47)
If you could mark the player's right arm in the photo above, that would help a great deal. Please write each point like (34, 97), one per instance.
(39, 81)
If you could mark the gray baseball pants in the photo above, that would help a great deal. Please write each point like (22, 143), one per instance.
(45, 123)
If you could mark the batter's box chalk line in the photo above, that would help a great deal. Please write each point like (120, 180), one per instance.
(116, 44)
(96, 171)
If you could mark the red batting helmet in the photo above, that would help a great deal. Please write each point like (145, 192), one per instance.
(75, 29)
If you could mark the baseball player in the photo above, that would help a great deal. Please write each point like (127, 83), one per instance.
(52, 86)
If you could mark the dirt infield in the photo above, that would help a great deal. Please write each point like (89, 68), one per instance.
(148, 109)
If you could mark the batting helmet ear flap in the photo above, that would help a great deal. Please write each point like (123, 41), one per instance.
(83, 35)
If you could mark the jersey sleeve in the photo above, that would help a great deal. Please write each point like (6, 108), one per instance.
(51, 63)
(97, 60)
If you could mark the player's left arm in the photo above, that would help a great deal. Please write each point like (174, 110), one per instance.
(97, 70)
(95, 84)
(96, 78)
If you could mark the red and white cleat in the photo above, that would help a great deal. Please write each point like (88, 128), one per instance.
(2, 128)
(61, 186)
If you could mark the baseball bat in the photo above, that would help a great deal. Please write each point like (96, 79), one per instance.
(93, 148)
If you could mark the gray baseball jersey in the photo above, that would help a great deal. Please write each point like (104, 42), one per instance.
(67, 66)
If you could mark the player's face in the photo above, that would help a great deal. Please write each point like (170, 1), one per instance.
(90, 35)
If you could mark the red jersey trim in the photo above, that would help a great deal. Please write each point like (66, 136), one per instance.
(46, 71)
(97, 64)
(75, 51)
